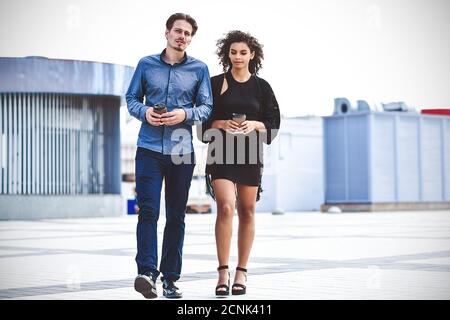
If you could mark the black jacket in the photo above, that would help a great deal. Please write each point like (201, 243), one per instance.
(269, 113)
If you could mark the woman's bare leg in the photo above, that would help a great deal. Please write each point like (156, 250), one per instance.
(246, 231)
(225, 199)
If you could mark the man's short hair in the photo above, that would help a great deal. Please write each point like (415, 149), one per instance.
(181, 16)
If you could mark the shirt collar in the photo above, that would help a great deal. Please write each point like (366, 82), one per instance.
(164, 52)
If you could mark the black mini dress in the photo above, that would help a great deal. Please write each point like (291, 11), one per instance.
(239, 157)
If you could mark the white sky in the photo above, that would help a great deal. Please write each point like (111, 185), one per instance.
(374, 50)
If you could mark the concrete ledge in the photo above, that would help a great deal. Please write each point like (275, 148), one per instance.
(401, 206)
(40, 74)
(34, 207)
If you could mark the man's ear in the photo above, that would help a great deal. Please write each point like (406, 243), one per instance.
(166, 33)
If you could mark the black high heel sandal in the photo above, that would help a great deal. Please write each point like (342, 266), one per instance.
(225, 292)
(242, 288)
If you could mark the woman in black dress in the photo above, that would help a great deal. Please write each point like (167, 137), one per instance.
(245, 115)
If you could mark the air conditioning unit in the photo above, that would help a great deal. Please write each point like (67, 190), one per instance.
(342, 106)
(395, 106)
(363, 106)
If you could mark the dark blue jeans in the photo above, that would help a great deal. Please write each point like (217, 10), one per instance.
(151, 168)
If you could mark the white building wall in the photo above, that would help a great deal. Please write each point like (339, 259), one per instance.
(293, 168)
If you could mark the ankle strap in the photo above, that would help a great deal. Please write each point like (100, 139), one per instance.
(241, 269)
(222, 267)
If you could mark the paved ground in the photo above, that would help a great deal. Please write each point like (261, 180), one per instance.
(395, 255)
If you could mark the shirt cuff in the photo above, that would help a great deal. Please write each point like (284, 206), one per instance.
(189, 115)
(143, 112)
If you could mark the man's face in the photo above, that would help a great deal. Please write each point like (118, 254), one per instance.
(180, 36)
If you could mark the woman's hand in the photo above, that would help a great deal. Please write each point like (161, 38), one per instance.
(227, 125)
(249, 126)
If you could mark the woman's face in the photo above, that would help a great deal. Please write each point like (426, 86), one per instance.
(240, 55)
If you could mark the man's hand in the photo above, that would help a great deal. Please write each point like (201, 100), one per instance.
(173, 117)
(152, 117)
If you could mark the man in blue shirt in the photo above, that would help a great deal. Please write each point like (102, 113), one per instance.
(165, 151)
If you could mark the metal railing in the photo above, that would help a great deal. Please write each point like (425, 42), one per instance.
(52, 143)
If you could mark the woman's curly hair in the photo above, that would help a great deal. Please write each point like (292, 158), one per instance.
(224, 44)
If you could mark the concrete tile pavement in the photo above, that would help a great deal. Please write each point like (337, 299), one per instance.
(308, 255)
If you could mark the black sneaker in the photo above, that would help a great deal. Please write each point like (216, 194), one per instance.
(146, 286)
(170, 290)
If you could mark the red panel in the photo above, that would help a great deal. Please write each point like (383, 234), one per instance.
(443, 112)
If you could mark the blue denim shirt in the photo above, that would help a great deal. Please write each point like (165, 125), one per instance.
(181, 85)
